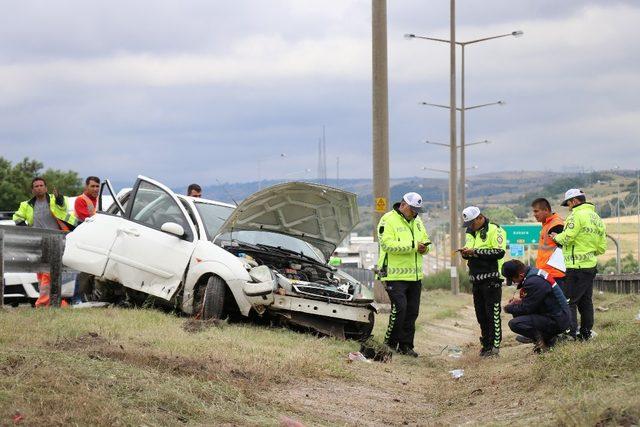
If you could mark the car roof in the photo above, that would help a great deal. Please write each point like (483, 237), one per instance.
(205, 201)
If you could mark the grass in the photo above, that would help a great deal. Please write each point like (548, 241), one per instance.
(604, 372)
(141, 367)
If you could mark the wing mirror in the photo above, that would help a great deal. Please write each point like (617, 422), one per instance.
(173, 228)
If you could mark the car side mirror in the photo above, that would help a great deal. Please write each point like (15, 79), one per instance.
(173, 228)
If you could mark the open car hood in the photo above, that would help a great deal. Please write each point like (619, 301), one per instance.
(320, 215)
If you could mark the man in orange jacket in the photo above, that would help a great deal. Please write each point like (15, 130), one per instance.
(86, 204)
(551, 223)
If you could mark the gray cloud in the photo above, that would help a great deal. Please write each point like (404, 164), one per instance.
(206, 90)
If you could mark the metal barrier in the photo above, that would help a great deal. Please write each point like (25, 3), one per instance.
(32, 250)
(618, 283)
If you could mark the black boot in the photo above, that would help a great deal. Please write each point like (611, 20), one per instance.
(541, 345)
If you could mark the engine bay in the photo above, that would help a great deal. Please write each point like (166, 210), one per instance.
(297, 273)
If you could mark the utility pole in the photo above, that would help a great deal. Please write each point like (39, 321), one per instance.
(453, 175)
(638, 207)
(380, 111)
(380, 123)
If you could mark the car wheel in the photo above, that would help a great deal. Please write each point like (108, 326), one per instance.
(358, 330)
(213, 300)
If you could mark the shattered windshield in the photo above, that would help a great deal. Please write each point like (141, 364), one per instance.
(213, 217)
(274, 239)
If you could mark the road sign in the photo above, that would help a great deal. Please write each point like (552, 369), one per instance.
(517, 250)
(523, 233)
(381, 204)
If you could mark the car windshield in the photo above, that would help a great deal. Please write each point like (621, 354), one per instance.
(276, 240)
(213, 217)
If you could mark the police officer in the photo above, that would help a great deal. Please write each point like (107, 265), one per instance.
(540, 310)
(403, 241)
(583, 238)
(484, 249)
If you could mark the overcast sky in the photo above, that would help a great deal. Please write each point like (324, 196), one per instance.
(210, 90)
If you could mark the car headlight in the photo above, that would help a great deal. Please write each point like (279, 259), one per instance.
(261, 273)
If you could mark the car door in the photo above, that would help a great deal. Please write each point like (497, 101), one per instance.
(87, 247)
(143, 257)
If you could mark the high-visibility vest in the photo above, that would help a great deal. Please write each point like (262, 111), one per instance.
(584, 237)
(398, 238)
(66, 221)
(546, 246)
(91, 207)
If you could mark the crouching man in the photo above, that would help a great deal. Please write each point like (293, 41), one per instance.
(540, 311)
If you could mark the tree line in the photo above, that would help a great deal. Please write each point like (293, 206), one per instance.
(15, 181)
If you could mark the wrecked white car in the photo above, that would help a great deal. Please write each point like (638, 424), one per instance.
(264, 258)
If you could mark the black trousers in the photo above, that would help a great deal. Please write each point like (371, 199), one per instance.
(579, 285)
(486, 300)
(405, 306)
(562, 282)
(547, 326)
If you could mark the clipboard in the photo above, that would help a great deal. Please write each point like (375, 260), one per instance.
(557, 260)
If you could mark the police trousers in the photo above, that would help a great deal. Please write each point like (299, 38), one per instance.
(405, 306)
(486, 300)
(579, 285)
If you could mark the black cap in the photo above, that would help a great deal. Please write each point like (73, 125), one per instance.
(510, 269)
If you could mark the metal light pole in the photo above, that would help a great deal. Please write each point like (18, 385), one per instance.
(462, 108)
(638, 206)
(453, 197)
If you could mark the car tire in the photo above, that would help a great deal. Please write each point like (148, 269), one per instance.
(359, 331)
(213, 299)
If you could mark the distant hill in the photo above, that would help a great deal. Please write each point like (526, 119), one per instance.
(508, 185)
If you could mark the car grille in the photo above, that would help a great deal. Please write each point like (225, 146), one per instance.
(321, 291)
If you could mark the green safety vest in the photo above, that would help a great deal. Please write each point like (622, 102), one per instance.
(398, 240)
(335, 261)
(59, 212)
(584, 237)
(490, 243)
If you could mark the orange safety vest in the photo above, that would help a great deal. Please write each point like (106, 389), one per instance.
(546, 246)
(90, 206)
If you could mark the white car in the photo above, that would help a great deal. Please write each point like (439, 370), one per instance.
(265, 257)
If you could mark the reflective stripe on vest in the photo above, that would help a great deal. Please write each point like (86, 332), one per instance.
(90, 206)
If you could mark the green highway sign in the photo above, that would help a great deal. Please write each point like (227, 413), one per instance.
(523, 233)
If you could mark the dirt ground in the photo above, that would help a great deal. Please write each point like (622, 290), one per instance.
(408, 391)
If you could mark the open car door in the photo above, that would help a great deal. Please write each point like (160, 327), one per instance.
(87, 247)
(153, 246)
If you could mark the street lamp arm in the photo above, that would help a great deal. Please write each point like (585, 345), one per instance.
(413, 36)
(436, 105)
(437, 143)
(512, 34)
(465, 108)
(485, 105)
(486, 141)
(424, 168)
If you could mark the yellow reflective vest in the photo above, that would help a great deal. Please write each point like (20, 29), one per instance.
(66, 221)
(584, 237)
(490, 244)
(398, 240)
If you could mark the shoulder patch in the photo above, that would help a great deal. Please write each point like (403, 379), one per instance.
(500, 239)
(381, 229)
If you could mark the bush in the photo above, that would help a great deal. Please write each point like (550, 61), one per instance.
(442, 280)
